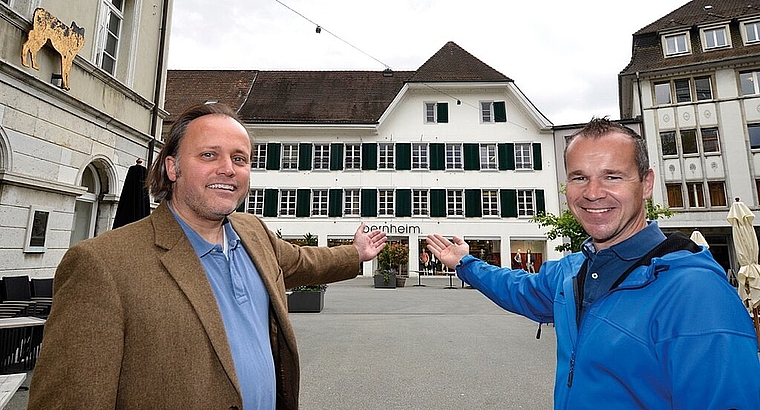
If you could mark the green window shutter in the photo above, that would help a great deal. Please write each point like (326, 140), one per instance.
(499, 111)
(403, 156)
(403, 202)
(473, 205)
(369, 156)
(270, 202)
(471, 157)
(335, 202)
(369, 202)
(508, 203)
(304, 156)
(537, 165)
(273, 156)
(303, 199)
(336, 157)
(506, 157)
(443, 112)
(437, 156)
(540, 203)
(438, 203)
(241, 207)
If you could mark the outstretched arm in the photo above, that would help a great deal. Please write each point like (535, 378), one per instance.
(447, 252)
(369, 244)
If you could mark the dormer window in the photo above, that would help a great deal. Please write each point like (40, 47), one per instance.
(751, 32)
(676, 44)
(715, 37)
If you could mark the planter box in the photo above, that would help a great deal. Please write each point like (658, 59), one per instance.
(306, 301)
(380, 282)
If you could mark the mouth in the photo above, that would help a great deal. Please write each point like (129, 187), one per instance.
(224, 187)
(597, 210)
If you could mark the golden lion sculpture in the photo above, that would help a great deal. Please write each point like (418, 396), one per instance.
(66, 40)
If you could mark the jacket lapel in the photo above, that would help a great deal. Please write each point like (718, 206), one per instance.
(183, 265)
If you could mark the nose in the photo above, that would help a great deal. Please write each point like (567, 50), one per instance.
(594, 190)
(226, 167)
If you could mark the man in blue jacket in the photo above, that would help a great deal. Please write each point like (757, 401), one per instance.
(665, 332)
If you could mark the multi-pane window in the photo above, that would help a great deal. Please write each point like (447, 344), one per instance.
(523, 156)
(754, 136)
(322, 156)
(710, 140)
(385, 202)
(436, 112)
(490, 202)
(256, 202)
(696, 194)
(420, 202)
(662, 93)
(109, 34)
(717, 193)
(353, 156)
(454, 202)
(752, 32)
(715, 38)
(351, 202)
(682, 89)
(386, 156)
(288, 202)
(420, 156)
(319, 202)
(526, 204)
(486, 111)
(703, 88)
(689, 142)
(676, 44)
(289, 156)
(668, 143)
(675, 196)
(750, 82)
(453, 156)
(488, 156)
(259, 160)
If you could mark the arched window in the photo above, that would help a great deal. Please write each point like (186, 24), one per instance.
(86, 208)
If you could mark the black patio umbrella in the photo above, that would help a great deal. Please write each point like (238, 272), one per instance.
(134, 203)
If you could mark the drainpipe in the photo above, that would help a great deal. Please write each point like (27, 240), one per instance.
(641, 106)
(159, 77)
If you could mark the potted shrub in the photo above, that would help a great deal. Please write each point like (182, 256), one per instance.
(307, 298)
(391, 260)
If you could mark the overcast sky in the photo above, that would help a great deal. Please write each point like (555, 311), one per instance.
(564, 55)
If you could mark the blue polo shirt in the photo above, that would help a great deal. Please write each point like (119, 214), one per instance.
(244, 304)
(607, 265)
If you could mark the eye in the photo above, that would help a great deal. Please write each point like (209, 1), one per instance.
(207, 154)
(240, 159)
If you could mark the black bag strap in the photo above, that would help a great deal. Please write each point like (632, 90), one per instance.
(676, 241)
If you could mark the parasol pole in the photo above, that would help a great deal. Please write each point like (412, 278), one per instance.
(748, 302)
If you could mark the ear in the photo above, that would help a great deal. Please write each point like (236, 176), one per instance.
(648, 183)
(170, 163)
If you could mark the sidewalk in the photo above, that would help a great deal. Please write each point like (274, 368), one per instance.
(416, 348)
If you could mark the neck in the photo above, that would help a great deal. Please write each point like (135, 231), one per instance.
(212, 231)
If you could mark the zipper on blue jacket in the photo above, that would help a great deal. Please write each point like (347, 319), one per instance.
(572, 368)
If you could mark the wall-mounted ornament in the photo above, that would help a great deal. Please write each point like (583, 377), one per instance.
(67, 41)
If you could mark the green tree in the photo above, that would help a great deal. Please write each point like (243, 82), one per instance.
(566, 226)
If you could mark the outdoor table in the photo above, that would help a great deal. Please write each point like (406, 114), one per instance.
(9, 383)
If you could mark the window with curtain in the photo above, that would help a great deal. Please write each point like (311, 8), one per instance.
(696, 194)
(717, 192)
(710, 140)
(675, 195)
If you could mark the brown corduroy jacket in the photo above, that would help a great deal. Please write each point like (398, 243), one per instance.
(135, 324)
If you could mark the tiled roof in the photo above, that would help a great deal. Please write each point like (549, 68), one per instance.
(189, 87)
(647, 47)
(453, 64)
(325, 97)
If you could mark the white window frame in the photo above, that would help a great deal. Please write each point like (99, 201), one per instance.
(107, 9)
(255, 204)
(712, 34)
(289, 157)
(431, 113)
(754, 28)
(321, 157)
(386, 156)
(488, 157)
(526, 203)
(490, 199)
(351, 202)
(677, 50)
(420, 156)
(753, 77)
(287, 202)
(454, 157)
(486, 112)
(352, 157)
(385, 202)
(454, 203)
(319, 202)
(259, 160)
(420, 202)
(523, 156)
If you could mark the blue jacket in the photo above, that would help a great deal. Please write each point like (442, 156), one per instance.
(673, 335)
